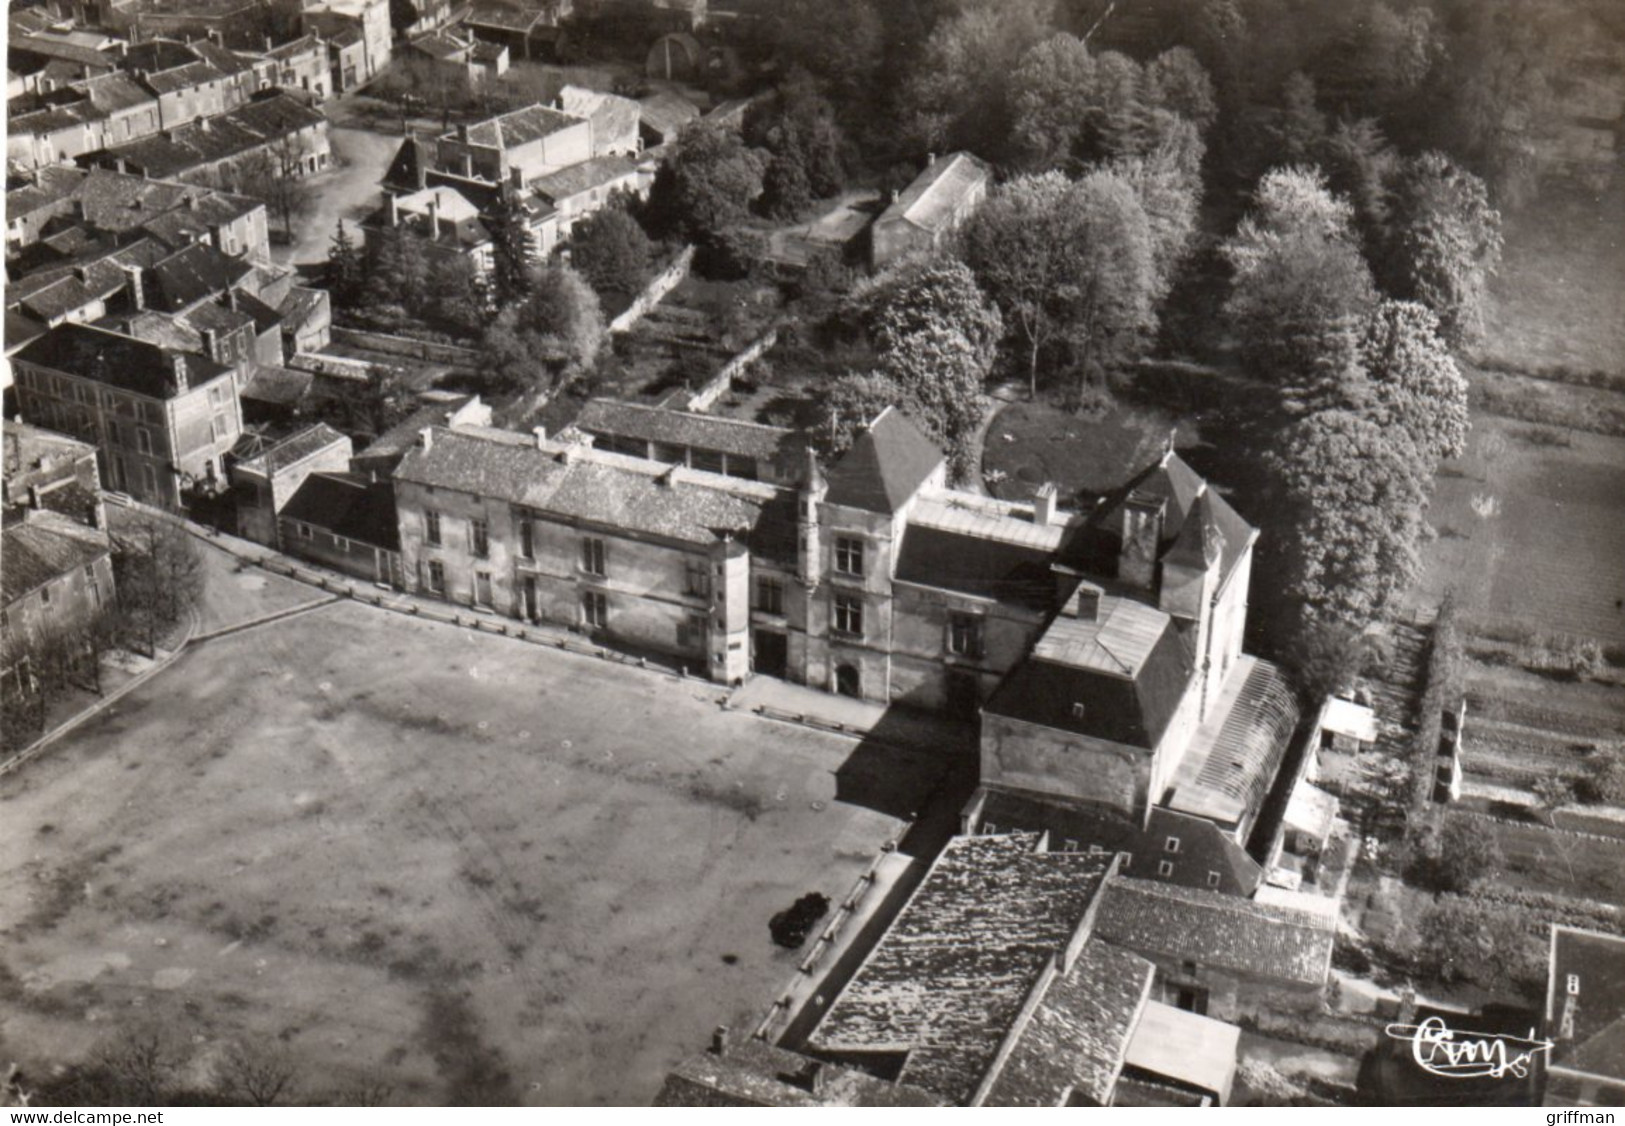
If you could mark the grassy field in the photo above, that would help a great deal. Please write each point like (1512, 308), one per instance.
(462, 866)
(1552, 554)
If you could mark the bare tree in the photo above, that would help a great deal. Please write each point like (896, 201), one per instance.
(258, 1076)
(159, 573)
(274, 174)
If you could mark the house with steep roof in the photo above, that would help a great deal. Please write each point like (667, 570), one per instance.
(614, 119)
(1585, 1018)
(58, 575)
(345, 521)
(923, 216)
(218, 149)
(266, 482)
(360, 33)
(517, 147)
(440, 220)
(527, 28)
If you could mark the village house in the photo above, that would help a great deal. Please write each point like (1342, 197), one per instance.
(475, 60)
(161, 420)
(927, 212)
(529, 29)
(241, 25)
(662, 115)
(359, 35)
(302, 64)
(515, 148)
(264, 483)
(565, 197)
(1585, 1018)
(345, 521)
(614, 119)
(440, 219)
(220, 150)
(731, 447)
(191, 80)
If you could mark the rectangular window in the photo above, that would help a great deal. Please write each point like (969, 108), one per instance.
(527, 539)
(479, 535)
(431, 527)
(691, 633)
(965, 634)
(1171, 845)
(848, 556)
(482, 588)
(1212, 879)
(592, 556)
(150, 474)
(1165, 868)
(222, 427)
(697, 573)
(45, 595)
(305, 532)
(849, 615)
(594, 609)
(216, 396)
(143, 440)
(437, 577)
(769, 596)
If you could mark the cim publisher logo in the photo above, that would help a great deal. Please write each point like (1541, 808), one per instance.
(1440, 1050)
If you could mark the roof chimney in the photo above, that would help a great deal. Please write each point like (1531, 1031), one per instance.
(462, 133)
(541, 436)
(1084, 604)
(434, 215)
(426, 439)
(719, 1040)
(211, 344)
(516, 177)
(394, 211)
(1044, 505)
(267, 44)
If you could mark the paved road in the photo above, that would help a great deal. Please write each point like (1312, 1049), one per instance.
(348, 191)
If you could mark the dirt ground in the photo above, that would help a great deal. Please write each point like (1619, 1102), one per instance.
(347, 191)
(465, 867)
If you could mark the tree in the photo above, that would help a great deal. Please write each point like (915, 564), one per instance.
(1176, 81)
(564, 310)
(612, 252)
(840, 42)
(257, 1076)
(1051, 98)
(397, 283)
(854, 401)
(708, 185)
(274, 174)
(372, 405)
(1458, 857)
(1300, 127)
(1300, 287)
(798, 128)
(1360, 166)
(1604, 782)
(923, 296)
(158, 573)
(1067, 263)
(786, 191)
(1446, 242)
(1171, 200)
(1414, 382)
(346, 268)
(1356, 494)
(1468, 939)
(456, 298)
(513, 251)
(958, 94)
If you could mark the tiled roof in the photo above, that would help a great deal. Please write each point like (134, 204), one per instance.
(212, 317)
(119, 361)
(584, 176)
(885, 467)
(113, 92)
(295, 47)
(52, 184)
(1585, 1002)
(21, 329)
(520, 127)
(1073, 1045)
(929, 202)
(666, 112)
(45, 547)
(279, 386)
(162, 329)
(949, 977)
(194, 274)
(587, 485)
(184, 77)
(1124, 690)
(1212, 929)
(682, 428)
(502, 17)
(229, 134)
(611, 115)
(755, 1073)
(54, 48)
(26, 447)
(347, 505)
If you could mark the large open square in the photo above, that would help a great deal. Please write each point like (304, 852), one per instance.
(467, 867)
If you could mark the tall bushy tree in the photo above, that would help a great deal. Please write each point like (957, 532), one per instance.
(709, 185)
(923, 295)
(1358, 494)
(1446, 242)
(1070, 265)
(958, 94)
(1414, 383)
(513, 251)
(346, 268)
(565, 311)
(611, 250)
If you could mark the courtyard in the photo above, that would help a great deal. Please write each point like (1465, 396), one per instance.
(399, 853)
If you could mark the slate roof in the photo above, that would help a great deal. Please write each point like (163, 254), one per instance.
(1212, 929)
(885, 467)
(947, 981)
(52, 184)
(348, 505)
(118, 361)
(295, 448)
(20, 330)
(183, 77)
(584, 176)
(682, 428)
(406, 165)
(43, 548)
(755, 1073)
(1587, 1022)
(519, 127)
(1129, 671)
(966, 563)
(930, 200)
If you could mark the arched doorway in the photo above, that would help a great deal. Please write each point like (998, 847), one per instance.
(848, 682)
